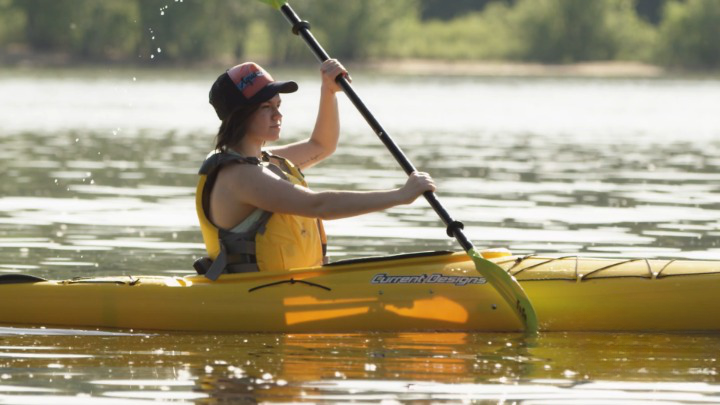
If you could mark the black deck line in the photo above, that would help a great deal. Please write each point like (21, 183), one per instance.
(374, 259)
(19, 279)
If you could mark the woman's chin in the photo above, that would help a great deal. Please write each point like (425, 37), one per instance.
(273, 135)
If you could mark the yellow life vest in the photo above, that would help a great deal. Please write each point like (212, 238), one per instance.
(275, 242)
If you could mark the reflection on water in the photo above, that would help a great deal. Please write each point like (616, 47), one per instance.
(99, 178)
(61, 365)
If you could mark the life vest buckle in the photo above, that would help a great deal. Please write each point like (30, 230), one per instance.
(202, 265)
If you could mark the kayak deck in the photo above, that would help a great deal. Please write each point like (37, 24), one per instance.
(428, 291)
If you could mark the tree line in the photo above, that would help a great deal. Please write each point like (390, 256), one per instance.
(683, 34)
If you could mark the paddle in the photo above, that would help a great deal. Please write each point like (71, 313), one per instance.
(502, 281)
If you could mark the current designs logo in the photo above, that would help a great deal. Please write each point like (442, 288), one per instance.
(435, 278)
(248, 80)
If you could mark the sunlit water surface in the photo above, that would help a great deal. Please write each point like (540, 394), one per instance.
(99, 175)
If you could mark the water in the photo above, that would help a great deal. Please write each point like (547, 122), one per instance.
(100, 170)
(37, 366)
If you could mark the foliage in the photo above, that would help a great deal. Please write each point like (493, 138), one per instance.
(561, 31)
(476, 36)
(347, 29)
(12, 23)
(549, 31)
(226, 31)
(690, 34)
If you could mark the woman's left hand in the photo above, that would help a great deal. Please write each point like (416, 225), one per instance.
(331, 69)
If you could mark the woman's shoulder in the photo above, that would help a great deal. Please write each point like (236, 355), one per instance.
(219, 160)
(243, 173)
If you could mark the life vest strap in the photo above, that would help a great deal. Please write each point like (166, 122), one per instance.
(204, 264)
(217, 267)
(242, 268)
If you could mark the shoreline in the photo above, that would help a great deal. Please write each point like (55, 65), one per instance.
(517, 69)
(400, 67)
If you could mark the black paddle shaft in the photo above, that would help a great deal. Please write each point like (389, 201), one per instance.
(302, 28)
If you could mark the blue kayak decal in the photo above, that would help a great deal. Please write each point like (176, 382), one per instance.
(435, 278)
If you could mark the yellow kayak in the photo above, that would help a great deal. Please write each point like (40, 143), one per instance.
(437, 291)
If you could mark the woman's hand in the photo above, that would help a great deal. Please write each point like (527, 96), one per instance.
(331, 69)
(417, 183)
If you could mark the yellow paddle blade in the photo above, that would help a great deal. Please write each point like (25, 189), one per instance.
(276, 4)
(509, 289)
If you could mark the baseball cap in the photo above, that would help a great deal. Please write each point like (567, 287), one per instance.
(245, 84)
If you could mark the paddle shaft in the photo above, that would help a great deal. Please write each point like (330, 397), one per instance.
(302, 28)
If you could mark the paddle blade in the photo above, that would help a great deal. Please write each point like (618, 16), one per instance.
(276, 4)
(509, 289)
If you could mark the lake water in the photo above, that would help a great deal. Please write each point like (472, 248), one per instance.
(99, 175)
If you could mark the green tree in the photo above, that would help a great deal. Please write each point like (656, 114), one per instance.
(84, 28)
(12, 22)
(194, 30)
(562, 31)
(348, 29)
(106, 30)
(49, 24)
(476, 36)
(690, 35)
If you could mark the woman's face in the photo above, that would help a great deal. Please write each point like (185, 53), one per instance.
(265, 123)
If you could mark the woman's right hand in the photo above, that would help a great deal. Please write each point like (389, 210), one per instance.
(417, 183)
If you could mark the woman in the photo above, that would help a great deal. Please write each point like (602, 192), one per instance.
(255, 209)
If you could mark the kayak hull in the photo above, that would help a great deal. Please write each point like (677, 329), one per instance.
(437, 291)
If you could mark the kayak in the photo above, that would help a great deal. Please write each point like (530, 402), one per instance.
(428, 291)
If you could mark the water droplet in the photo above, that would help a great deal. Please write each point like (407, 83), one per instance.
(569, 373)
(159, 50)
(152, 56)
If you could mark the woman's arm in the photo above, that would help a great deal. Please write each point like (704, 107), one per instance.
(261, 188)
(324, 139)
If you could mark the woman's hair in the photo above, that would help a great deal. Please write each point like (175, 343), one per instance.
(233, 128)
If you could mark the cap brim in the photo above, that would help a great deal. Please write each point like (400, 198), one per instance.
(272, 89)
